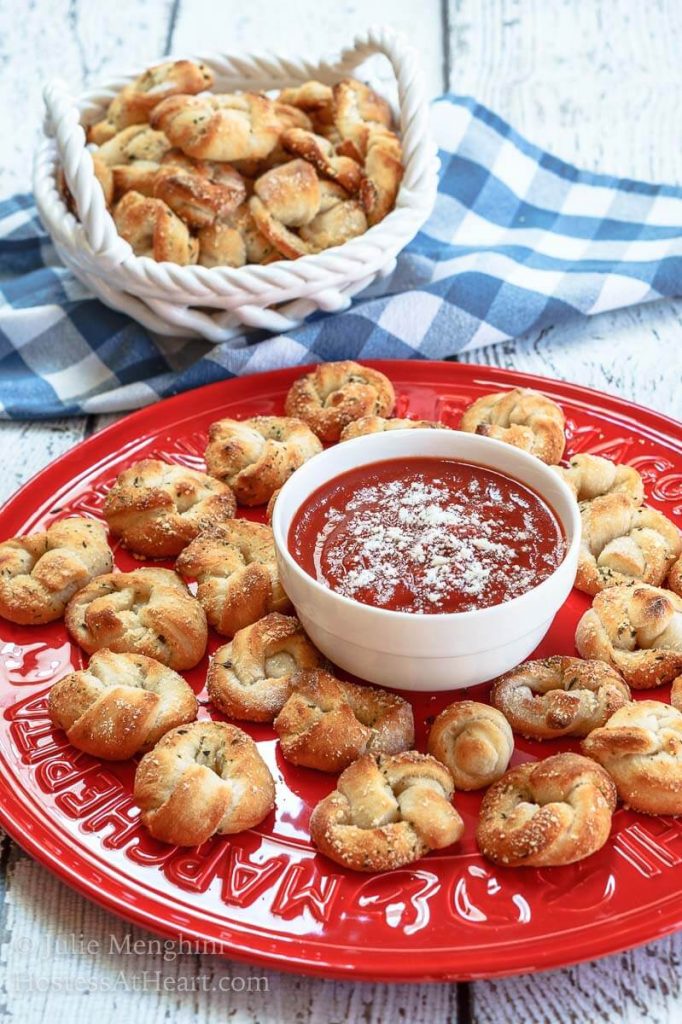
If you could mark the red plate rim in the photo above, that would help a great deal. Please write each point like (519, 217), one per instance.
(635, 927)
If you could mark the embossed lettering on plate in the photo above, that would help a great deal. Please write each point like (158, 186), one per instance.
(401, 897)
(480, 898)
(651, 846)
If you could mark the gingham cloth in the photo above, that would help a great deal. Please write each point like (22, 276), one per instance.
(518, 241)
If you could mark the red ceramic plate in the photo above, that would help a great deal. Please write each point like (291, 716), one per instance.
(266, 896)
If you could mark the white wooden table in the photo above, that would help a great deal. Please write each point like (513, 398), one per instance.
(598, 83)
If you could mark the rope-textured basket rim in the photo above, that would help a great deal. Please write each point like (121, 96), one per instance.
(95, 248)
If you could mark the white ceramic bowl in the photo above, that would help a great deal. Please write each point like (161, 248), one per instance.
(425, 652)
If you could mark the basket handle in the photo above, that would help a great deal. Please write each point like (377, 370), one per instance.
(411, 85)
(62, 121)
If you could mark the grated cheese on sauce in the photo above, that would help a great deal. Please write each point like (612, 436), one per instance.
(461, 538)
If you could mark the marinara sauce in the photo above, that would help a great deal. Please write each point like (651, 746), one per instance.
(426, 535)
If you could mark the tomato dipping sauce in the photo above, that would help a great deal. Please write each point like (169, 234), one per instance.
(427, 536)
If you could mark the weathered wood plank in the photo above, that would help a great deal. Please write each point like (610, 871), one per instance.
(27, 447)
(58, 944)
(630, 352)
(78, 41)
(633, 987)
(310, 29)
(599, 87)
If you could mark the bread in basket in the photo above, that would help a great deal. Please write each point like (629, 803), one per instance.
(218, 303)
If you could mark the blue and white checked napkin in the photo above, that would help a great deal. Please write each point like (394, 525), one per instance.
(517, 241)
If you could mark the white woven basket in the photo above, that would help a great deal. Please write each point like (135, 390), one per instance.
(216, 303)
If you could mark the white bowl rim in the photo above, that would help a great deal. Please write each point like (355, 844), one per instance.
(391, 615)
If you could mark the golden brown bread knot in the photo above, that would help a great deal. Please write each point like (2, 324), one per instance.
(173, 144)
(250, 678)
(327, 724)
(591, 476)
(339, 219)
(559, 696)
(320, 152)
(252, 169)
(271, 505)
(256, 456)
(387, 811)
(134, 156)
(40, 573)
(157, 507)
(235, 567)
(289, 116)
(291, 195)
(474, 741)
(335, 394)
(552, 812)
(291, 192)
(285, 242)
(674, 581)
(638, 630)
(378, 424)
(235, 240)
(383, 172)
(153, 230)
(104, 175)
(521, 417)
(198, 191)
(363, 120)
(135, 102)
(641, 748)
(203, 779)
(358, 111)
(315, 99)
(676, 693)
(623, 542)
(221, 245)
(225, 127)
(147, 611)
(121, 705)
